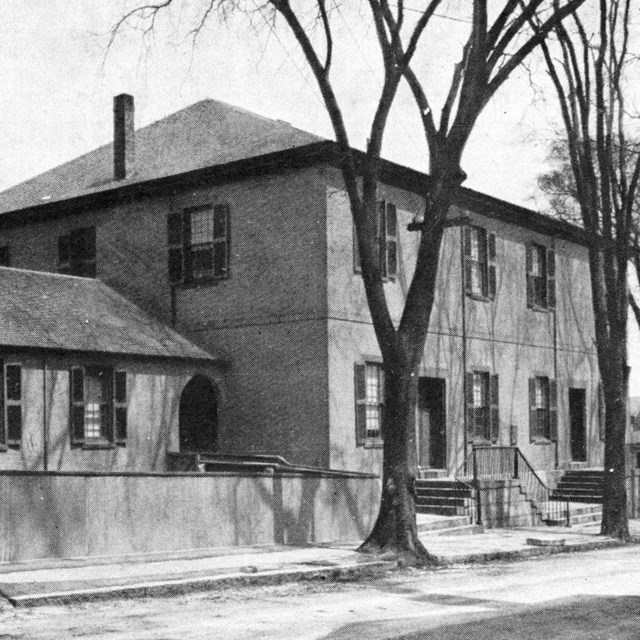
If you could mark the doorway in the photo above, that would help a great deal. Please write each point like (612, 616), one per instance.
(432, 424)
(577, 421)
(198, 416)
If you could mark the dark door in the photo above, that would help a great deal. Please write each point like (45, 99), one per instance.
(577, 406)
(432, 442)
(198, 416)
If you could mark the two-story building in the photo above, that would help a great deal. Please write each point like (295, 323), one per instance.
(236, 230)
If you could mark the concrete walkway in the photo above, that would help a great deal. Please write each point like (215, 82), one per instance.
(76, 580)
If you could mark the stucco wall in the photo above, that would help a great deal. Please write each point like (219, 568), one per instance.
(153, 390)
(502, 336)
(75, 515)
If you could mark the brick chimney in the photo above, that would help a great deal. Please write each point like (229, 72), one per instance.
(123, 137)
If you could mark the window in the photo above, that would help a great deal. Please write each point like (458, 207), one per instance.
(369, 384)
(198, 241)
(386, 239)
(483, 418)
(479, 263)
(541, 275)
(543, 412)
(77, 253)
(98, 406)
(5, 257)
(11, 413)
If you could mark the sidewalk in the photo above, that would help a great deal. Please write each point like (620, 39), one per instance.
(77, 580)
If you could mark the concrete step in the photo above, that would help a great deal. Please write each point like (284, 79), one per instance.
(444, 492)
(432, 522)
(465, 530)
(441, 510)
(572, 497)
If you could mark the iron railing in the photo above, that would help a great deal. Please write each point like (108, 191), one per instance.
(505, 463)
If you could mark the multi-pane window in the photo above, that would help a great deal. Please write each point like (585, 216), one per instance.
(11, 411)
(479, 262)
(369, 386)
(541, 274)
(77, 253)
(543, 414)
(386, 240)
(98, 406)
(482, 406)
(5, 256)
(198, 239)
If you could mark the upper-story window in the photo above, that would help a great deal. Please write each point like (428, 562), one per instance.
(198, 239)
(386, 240)
(479, 263)
(541, 277)
(5, 256)
(77, 253)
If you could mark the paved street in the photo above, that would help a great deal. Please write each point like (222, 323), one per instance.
(582, 595)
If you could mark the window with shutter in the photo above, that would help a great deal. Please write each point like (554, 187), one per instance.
(541, 277)
(494, 409)
(98, 406)
(543, 412)
(369, 392)
(3, 424)
(601, 412)
(77, 253)
(479, 250)
(13, 404)
(479, 404)
(120, 407)
(386, 240)
(198, 240)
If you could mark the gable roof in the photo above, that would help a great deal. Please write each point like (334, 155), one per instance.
(52, 311)
(205, 134)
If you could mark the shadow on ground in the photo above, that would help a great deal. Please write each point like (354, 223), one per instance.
(575, 618)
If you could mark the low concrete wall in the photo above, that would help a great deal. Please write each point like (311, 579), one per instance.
(63, 515)
(503, 504)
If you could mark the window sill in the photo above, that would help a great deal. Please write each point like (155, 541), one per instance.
(535, 307)
(479, 297)
(97, 445)
(196, 284)
(542, 441)
(373, 443)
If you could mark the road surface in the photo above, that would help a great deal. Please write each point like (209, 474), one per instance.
(594, 595)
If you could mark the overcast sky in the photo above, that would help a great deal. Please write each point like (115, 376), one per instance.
(58, 79)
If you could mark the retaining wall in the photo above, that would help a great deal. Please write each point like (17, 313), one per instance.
(63, 515)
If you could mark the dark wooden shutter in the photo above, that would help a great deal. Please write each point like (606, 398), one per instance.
(120, 407)
(64, 254)
(221, 237)
(5, 256)
(533, 414)
(3, 429)
(381, 225)
(601, 408)
(553, 410)
(77, 406)
(491, 265)
(175, 247)
(530, 284)
(469, 404)
(494, 410)
(356, 250)
(391, 231)
(466, 249)
(361, 407)
(13, 399)
(551, 279)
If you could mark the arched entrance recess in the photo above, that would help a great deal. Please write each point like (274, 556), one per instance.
(198, 415)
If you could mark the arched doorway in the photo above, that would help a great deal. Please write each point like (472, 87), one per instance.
(198, 415)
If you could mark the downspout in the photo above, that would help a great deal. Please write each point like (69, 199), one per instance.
(555, 347)
(45, 428)
(464, 350)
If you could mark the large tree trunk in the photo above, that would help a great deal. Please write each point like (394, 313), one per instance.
(395, 531)
(614, 382)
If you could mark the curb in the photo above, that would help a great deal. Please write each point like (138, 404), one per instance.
(184, 586)
(523, 554)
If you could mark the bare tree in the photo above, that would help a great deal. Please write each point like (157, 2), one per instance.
(493, 47)
(588, 62)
